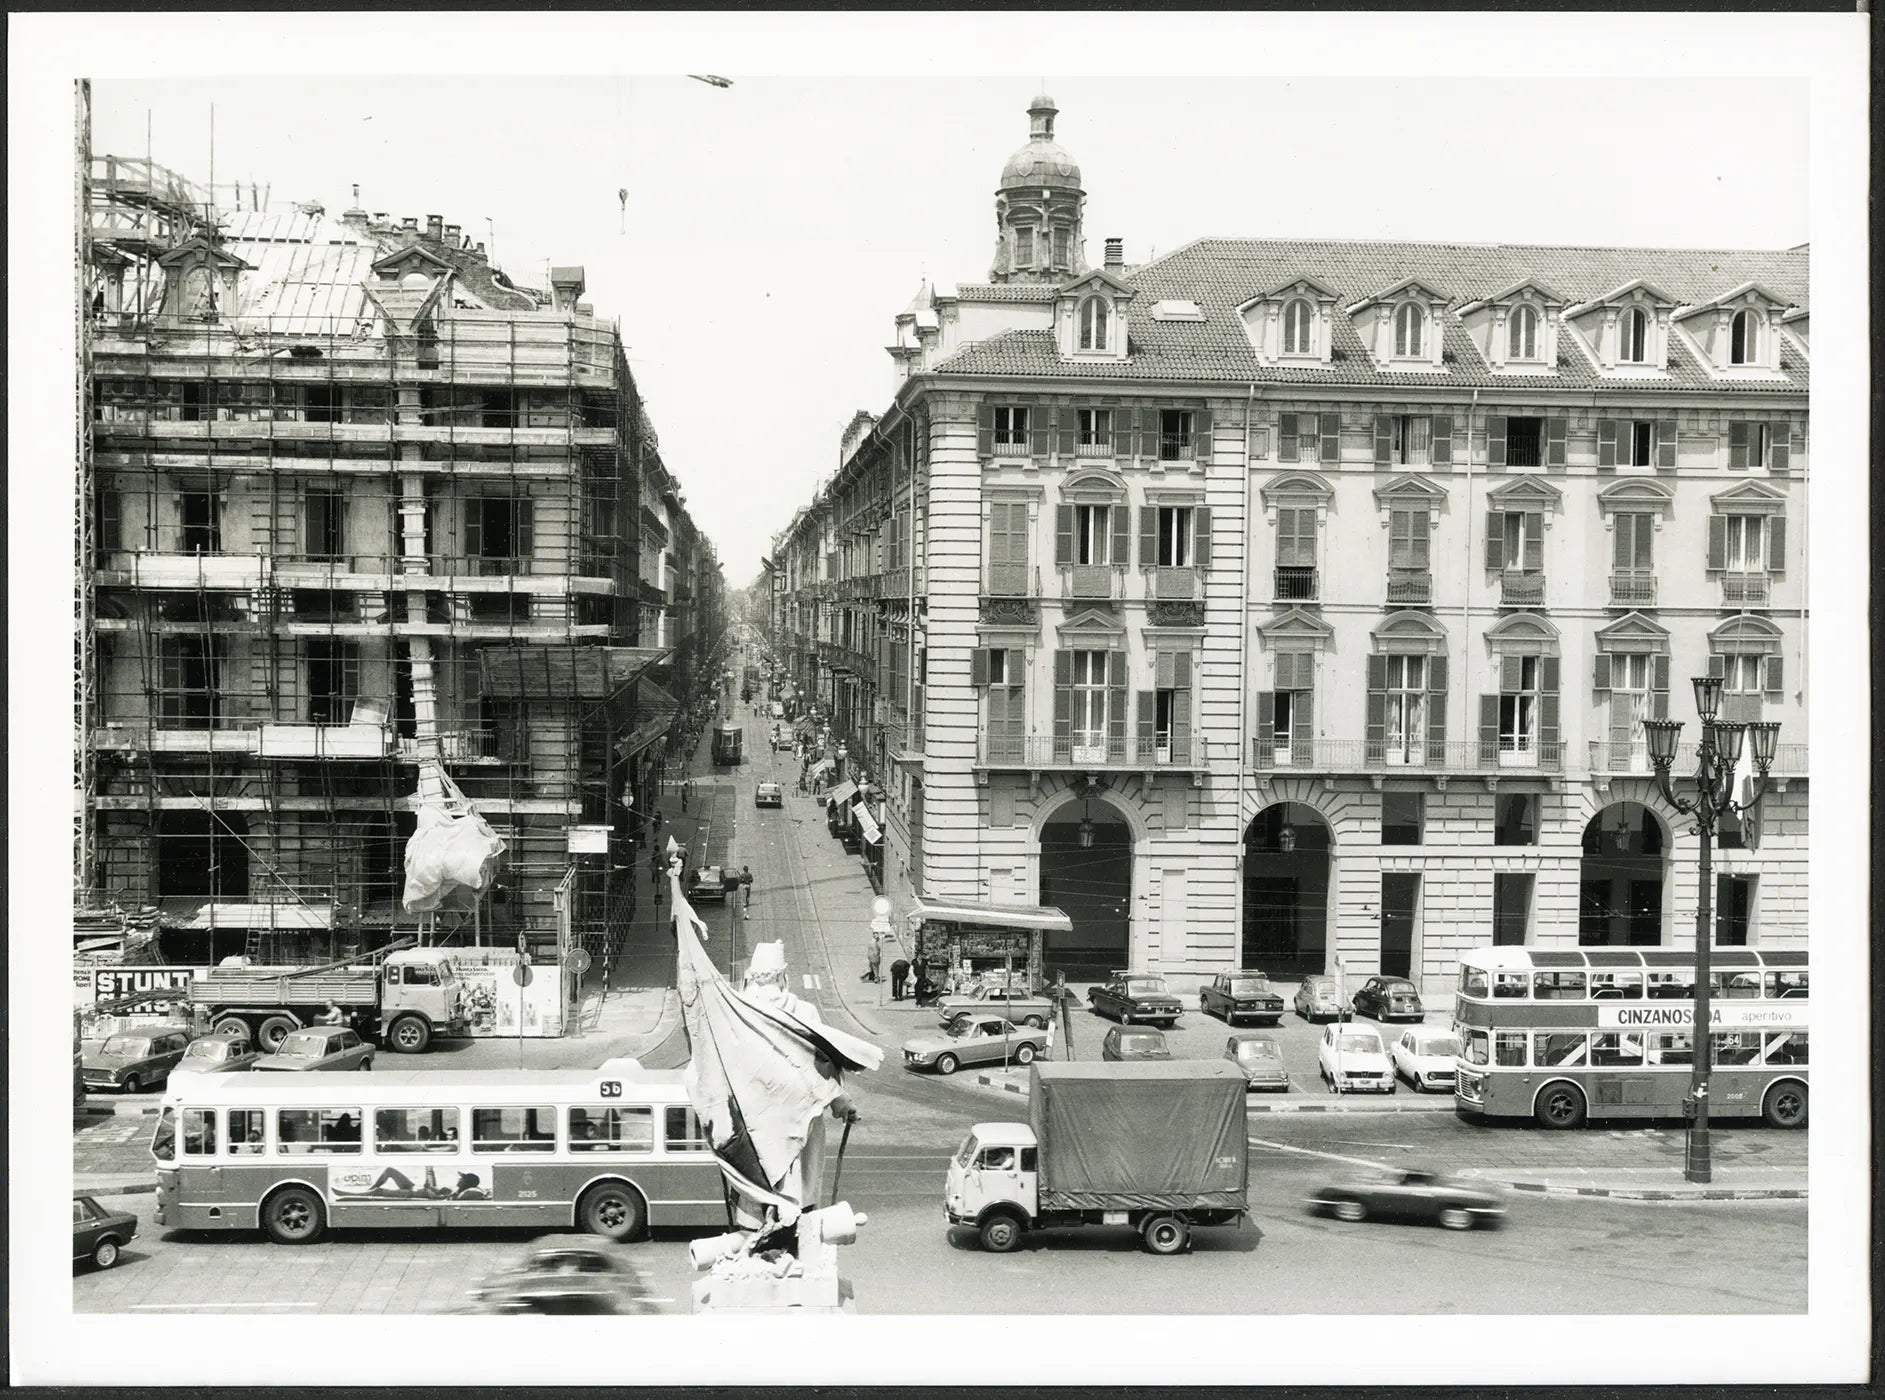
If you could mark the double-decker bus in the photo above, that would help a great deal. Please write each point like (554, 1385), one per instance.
(1562, 1035)
(611, 1151)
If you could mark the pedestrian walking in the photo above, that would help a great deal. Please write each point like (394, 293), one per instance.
(876, 956)
(746, 888)
(899, 976)
(658, 820)
(686, 791)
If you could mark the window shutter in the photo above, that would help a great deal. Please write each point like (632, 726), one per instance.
(978, 667)
(1302, 725)
(1779, 460)
(1717, 542)
(1488, 730)
(1286, 437)
(1495, 539)
(1148, 536)
(1266, 728)
(1420, 534)
(1122, 540)
(1511, 672)
(1377, 732)
(1776, 544)
(1606, 444)
(1164, 666)
(1383, 439)
(1771, 675)
(1400, 539)
(1548, 707)
(1436, 675)
(1067, 421)
(1116, 703)
(1148, 722)
(1063, 535)
(998, 533)
(1039, 437)
(1442, 446)
(1147, 419)
(1201, 435)
(1554, 442)
(1495, 440)
(1718, 666)
(1666, 445)
(1623, 542)
(985, 431)
(1659, 676)
(1201, 542)
(1123, 420)
(1330, 430)
(1737, 447)
(1600, 678)
(1063, 695)
(1534, 540)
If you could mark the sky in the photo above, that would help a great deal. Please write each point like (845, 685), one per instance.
(773, 228)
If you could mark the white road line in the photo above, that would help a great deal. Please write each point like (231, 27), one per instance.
(175, 1307)
(1326, 1156)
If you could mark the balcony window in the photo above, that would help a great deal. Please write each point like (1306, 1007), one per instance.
(1096, 431)
(333, 671)
(1095, 324)
(1412, 440)
(1174, 440)
(1633, 579)
(1299, 321)
(1633, 336)
(1743, 686)
(1011, 431)
(498, 534)
(1747, 539)
(1521, 334)
(1524, 442)
(325, 511)
(1174, 526)
(1406, 739)
(199, 522)
(1636, 443)
(1296, 553)
(1518, 711)
(1090, 671)
(189, 681)
(1008, 563)
(1092, 534)
(1631, 702)
(1286, 715)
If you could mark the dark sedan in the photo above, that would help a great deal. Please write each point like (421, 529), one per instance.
(1389, 999)
(708, 882)
(1241, 995)
(1122, 1045)
(1414, 1196)
(99, 1234)
(1136, 997)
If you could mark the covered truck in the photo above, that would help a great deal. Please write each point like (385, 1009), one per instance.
(414, 994)
(1158, 1146)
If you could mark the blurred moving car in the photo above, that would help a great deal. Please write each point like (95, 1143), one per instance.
(1351, 1058)
(319, 1048)
(769, 795)
(1425, 1057)
(708, 882)
(1319, 996)
(1021, 1006)
(1135, 996)
(1122, 1044)
(1412, 1196)
(564, 1274)
(218, 1054)
(99, 1234)
(1389, 999)
(134, 1060)
(1245, 994)
(987, 1040)
(1259, 1057)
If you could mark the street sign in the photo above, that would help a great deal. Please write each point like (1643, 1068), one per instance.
(522, 975)
(579, 961)
(523, 947)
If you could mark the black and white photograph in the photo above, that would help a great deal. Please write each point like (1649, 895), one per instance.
(1110, 698)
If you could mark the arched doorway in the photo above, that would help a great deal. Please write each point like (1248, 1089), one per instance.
(1287, 856)
(1086, 873)
(1620, 878)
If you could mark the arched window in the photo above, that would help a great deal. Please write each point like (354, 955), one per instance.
(1521, 334)
(1093, 323)
(1409, 322)
(1635, 347)
(1744, 339)
(1298, 327)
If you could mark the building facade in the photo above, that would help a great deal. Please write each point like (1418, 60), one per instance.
(1298, 604)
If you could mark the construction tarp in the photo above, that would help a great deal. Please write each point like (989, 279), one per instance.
(562, 671)
(452, 855)
(1154, 1135)
(990, 915)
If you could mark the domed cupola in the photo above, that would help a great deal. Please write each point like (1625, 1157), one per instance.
(1037, 207)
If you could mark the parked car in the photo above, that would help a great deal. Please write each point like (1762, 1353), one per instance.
(1123, 1043)
(1352, 1058)
(1133, 997)
(1259, 1057)
(708, 882)
(99, 1234)
(134, 1060)
(1245, 994)
(1389, 999)
(985, 1041)
(562, 1274)
(1426, 1058)
(218, 1054)
(319, 1048)
(769, 795)
(1412, 1196)
(1320, 996)
(1022, 1007)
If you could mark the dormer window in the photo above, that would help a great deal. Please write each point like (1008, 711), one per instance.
(1633, 330)
(1095, 322)
(1410, 324)
(1299, 320)
(1521, 332)
(1744, 333)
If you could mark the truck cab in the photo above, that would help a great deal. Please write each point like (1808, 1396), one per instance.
(995, 1174)
(421, 992)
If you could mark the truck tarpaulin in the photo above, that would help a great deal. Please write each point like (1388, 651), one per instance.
(1162, 1135)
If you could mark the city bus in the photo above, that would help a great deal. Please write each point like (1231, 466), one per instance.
(1565, 1035)
(611, 1151)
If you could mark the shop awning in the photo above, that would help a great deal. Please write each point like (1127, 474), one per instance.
(819, 769)
(843, 792)
(991, 915)
(868, 825)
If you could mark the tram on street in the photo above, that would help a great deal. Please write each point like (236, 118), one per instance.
(610, 1151)
(1566, 1035)
(728, 739)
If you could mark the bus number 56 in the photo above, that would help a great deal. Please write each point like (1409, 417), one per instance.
(611, 1088)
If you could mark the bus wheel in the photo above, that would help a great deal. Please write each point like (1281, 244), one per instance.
(409, 1035)
(613, 1211)
(1166, 1234)
(1001, 1234)
(273, 1030)
(293, 1216)
(1561, 1106)
(1785, 1105)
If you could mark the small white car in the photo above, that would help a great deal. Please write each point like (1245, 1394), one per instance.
(1352, 1059)
(1424, 1056)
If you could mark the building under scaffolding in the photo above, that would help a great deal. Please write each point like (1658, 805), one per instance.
(356, 509)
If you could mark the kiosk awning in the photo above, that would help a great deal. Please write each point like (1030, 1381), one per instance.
(991, 915)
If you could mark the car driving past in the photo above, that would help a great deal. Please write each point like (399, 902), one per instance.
(1412, 1196)
(769, 795)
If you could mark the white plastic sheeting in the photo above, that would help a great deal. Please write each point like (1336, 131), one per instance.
(448, 857)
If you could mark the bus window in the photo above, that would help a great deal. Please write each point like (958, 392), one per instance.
(1552, 1049)
(1610, 1049)
(1737, 1047)
(1786, 1047)
(1558, 986)
(1511, 985)
(1733, 986)
(684, 1133)
(1676, 984)
(164, 1137)
(1671, 1048)
(599, 1128)
(415, 1129)
(1472, 981)
(1508, 1049)
(1473, 1046)
(304, 1130)
(1786, 984)
(1617, 986)
(199, 1132)
(513, 1130)
(245, 1132)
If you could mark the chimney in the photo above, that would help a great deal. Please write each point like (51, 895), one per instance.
(434, 227)
(1115, 253)
(410, 224)
(451, 234)
(481, 250)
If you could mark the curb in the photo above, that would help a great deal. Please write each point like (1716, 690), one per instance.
(136, 1188)
(1437, 1106)
(1635, 1194)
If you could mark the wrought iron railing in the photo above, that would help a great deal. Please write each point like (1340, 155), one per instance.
(1369, 756)
(1295, 584)
(1178, 750)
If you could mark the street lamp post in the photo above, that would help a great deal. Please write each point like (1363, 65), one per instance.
(1716, 759)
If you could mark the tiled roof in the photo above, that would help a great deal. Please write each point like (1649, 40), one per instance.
(1004, 291)
(1220, 274)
